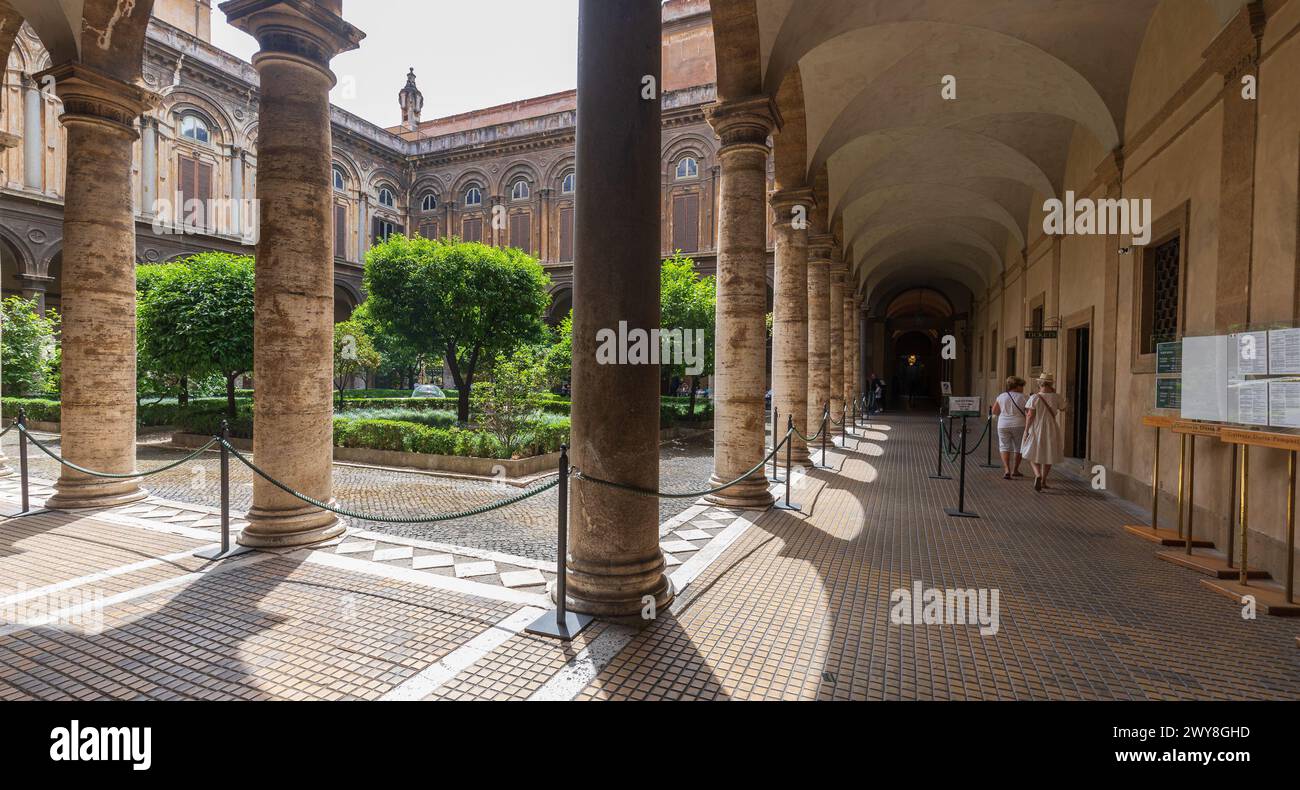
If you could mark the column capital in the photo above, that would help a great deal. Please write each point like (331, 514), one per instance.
(1235, 51)
(8, 141)
(91, 96)
(784, 201)
(820, 246)
(306, 31)
(744, 122)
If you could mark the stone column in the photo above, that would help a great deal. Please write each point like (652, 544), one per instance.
(98, 333)
(237, 193)
(835, 318)
(740, 363)
(790, 315)
(293, 333)
(847, 321)
(148, 166)
(855, 349)
(33, 138)
(34, 286)
(819, 299)
(614, 557)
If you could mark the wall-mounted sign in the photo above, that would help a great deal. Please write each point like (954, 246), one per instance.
(945, 388)
(1040, 334)
(1169, 393)
(1169, 357)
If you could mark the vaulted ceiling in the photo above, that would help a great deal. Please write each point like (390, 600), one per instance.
(919, 184)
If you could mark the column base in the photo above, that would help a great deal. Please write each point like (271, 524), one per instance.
(799, 455)
(618, 592)
(85, 493)
(749, 494)
(301, 526)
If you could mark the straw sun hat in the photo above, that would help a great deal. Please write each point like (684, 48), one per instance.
(1046, 378)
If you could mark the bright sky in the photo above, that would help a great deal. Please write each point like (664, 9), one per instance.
(467, 54)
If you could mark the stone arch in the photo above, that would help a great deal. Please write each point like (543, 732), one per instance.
(512, 172)
(352, 173)
(790, 142)
(469, 177)
(182, 102)
(736, 45)
(23, 258)
(347, 297)
(558, 169)
(105, 35)
(696, 145)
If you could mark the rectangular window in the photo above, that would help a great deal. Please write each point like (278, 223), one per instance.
(195, 181)
(1160, 278)
(472, 229)
(340, 231)
(979, 354)
(383, 229)
(993, 353)
(566, 233)
(429, 229)
(686, 222)
(521, 232)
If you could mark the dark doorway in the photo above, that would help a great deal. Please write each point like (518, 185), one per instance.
(915, 383)
(1080, 384)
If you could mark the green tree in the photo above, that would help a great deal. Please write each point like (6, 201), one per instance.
(27, 349)
(398, 356)
(507, 403)
(354, 354)
(688, 302)
(466, 300)
(558, 362)
(196, 318)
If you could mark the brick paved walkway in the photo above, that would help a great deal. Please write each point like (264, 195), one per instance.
(773, 605)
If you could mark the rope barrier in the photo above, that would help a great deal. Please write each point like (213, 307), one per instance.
(113, 475)
(390, 519)
(689, 494)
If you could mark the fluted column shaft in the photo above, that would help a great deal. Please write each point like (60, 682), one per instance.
(293, 331)
(614, 558)
(98, 329)
(819, 350)
(740, 368)
(790, 316)
(835, 316)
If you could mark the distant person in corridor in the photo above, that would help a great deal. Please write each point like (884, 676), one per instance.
(1010, 410)
(1043, 445)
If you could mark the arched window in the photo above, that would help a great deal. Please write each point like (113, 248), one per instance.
(387, 198)
(340, 179)
(428, 202)
(520, 190)
(566, 186)
(687, 167)
(473, 197)
(194, 128)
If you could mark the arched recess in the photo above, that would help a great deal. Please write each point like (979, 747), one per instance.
(472, 176)
(346, 299)
(513, 172)
(182, 101)
(561, 304)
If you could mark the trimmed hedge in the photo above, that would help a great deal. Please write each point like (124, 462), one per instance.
(410, 437)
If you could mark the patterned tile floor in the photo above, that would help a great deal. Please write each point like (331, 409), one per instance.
(774, 605)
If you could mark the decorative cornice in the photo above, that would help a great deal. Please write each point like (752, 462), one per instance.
(1235, 51)
(299, 30)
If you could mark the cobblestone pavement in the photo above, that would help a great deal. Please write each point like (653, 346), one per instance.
(774, 605)
(525, 529)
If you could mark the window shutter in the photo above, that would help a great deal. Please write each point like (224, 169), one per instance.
(521, 232)
(377, 230)
(187, 181)
(472, 230)
(566, 233)
(686, 222)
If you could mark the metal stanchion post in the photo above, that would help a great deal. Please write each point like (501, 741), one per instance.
(938, 465)
(225, 551)
(1232, 495)
(960, 511)
(1155, 481)
(776, 475)
(988, 450)
(22, 456)
(1182, 463)
(826, 429)
(789, 468)
(564, 624)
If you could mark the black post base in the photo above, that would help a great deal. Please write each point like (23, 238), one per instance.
(548, 625)
(954, 512)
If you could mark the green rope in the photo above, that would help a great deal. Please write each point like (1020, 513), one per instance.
(113, 475)
(389, 519)
(687, 494)
(815, 436)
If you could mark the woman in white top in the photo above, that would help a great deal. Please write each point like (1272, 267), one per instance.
(1011, 412)
(1043, 443)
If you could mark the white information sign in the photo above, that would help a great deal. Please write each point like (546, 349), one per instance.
(1284, 403)
(1205, 378)
(1248, 402)
(964, 406)
(1250, 355)
(1284, 352)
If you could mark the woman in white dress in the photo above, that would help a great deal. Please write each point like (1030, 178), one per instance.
(1043, 445)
